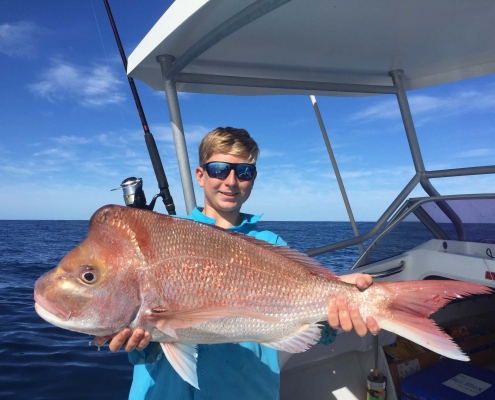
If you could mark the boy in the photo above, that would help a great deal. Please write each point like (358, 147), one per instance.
(227, 173)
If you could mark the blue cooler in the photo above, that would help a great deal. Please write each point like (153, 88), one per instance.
(449, 380)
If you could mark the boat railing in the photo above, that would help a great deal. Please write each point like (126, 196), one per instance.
(388, 272)
(413, 205)
(394, 207)
(385, 216)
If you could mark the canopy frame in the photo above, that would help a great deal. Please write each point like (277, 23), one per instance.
(171, 73)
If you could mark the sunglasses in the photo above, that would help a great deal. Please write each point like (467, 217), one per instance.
(221, 170)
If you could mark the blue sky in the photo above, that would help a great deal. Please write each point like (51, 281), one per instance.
(69, 129)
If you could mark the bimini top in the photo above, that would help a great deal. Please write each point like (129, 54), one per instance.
(218, 43)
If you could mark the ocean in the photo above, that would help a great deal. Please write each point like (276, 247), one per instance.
(41, 361)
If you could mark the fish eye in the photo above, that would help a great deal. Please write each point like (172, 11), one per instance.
(89, 275)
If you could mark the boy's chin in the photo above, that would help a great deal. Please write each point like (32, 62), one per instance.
(232, 208)
(227, 206)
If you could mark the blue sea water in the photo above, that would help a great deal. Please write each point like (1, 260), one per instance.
(41, 361)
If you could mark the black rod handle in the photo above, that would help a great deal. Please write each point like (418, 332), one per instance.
(159, 173)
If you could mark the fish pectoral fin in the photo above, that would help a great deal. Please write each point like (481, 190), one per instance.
(183, 358)
(302, 340)
(169, 321)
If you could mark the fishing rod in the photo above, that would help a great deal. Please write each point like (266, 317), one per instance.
(132, 187)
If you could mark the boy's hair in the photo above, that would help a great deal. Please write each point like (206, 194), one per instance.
(232, 141)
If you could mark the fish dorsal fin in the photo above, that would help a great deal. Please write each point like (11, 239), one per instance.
(302, 340)
(183, 358)
(311, 264)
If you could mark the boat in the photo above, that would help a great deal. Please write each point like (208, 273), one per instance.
(345, 48)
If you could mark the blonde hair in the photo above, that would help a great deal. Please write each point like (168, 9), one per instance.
(232, 141)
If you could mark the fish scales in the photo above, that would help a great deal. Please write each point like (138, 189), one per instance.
(212, 270)
(188, 283)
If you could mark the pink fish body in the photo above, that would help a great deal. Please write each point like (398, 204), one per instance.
(189, 283)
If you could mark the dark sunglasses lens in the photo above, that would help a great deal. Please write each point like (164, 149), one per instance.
(245, 172)
(218, 170)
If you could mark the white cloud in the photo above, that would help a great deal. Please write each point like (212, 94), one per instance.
(19, 39)
(343, 158)
(57, 154)
(193, 133)
(323, 148)
(11, 169)
(476, 153)
(120, 140)
(420, 105)
(296, 122)
(78, 199)
(106, 156)
(184, 95)
(144, 169)
(465, 184)
(71, 140)
(88, 86)
(267, 153)
(98, 167)
(384, 109)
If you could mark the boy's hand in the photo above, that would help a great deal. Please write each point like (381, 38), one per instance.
(347, 316)
(137, 341)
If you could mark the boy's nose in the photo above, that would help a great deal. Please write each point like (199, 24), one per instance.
(231, 178)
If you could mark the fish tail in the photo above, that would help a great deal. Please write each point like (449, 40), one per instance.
(409, 304)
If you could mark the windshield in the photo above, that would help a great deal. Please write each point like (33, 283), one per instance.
(477, 216)
(406, 235)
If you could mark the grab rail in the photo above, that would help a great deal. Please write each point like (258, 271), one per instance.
(388, 272)
(418, 202)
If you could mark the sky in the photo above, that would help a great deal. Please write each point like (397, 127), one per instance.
(69, 130)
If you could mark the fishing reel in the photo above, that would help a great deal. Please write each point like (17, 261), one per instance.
(134, 194)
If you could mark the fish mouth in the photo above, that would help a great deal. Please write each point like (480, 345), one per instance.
(43, 306)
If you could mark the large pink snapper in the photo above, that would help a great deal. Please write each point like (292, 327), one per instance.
(188, 283)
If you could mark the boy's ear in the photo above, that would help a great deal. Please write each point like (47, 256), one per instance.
(200, 176)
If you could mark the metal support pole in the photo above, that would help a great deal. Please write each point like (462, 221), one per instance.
(443, 173)
(166, 62)
(445, 207)
(405, 112)
(368, 235)
(416, 153)
(337, 171)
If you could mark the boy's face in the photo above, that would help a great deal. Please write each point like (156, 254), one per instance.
(224, 195)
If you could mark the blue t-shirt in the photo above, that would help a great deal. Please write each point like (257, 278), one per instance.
(225, 371)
